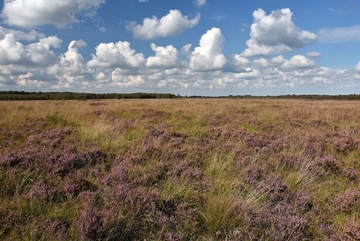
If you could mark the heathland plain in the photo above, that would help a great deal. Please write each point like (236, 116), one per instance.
(180, 169)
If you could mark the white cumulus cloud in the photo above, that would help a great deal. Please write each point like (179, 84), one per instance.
(116, 55)
(77, 44)
(39, 54)
(208, 55)
(32, 13)
(71, 63)
(267, 63)
(172, 24)
(275, 33)
(121, 80)
(32, 35)
(11, 51)
(53, 41)
(237, 63)
(166, 57)
(298, 61)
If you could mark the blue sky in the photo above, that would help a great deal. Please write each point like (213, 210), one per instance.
(187, 47)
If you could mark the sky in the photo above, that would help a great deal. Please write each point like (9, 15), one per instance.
(186, 47)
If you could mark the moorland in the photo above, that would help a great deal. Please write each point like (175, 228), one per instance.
(180, 169)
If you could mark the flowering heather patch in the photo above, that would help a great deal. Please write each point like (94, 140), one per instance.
(275, 190)
(8, 138)
(153, 114)
(90, 224)
(123, 127)
(286, 223)
(185, 169)
(289, 161)
(349, 201)
(351, 173)
(56, 229)
(74, 186)
(328, 163)
(352, 231)
(252, 174)
(313, 145)
(42, 190)
(344, 144)
(98, 104)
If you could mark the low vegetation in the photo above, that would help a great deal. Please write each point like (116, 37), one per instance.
(180, 169)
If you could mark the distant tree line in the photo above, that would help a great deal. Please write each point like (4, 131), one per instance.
(22, 95)
(306, 97)
(321, 97)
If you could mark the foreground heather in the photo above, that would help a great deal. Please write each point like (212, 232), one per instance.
(180, 170)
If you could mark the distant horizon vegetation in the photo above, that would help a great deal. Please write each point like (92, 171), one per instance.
(25, 95)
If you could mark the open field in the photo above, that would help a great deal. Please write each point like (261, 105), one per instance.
(180, 169)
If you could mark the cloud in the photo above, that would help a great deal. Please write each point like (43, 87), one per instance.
(357, 67)
(275, 33)
(72, 53)
(32, 13)
(77, 44)
(20, 35)
(166, 57)
(199, 3)
(38, 54)
(339, 35)
(29, 80)
(143, 1)
(53, 41)
(71, 63)
(268, 63)
(236, 64)
(27, 62)
(6, 80)
(173, 23)
(208, 56)
(121, 80)
(185, 49)
(71, 70)
(11, 51)
(297, 62)
(116, 55)
(313, 54)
